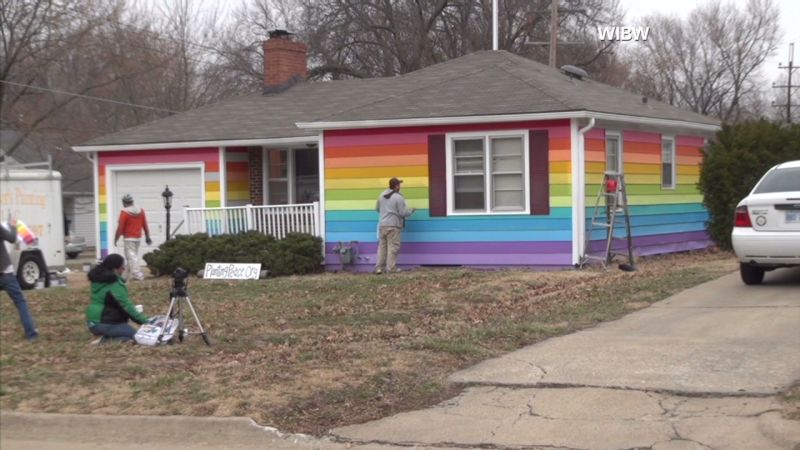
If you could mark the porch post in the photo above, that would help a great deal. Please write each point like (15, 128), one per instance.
(249, 216)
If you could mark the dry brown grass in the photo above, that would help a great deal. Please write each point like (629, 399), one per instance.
(310, 353)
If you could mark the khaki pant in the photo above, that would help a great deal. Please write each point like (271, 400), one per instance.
(388, 248)
(132, 269)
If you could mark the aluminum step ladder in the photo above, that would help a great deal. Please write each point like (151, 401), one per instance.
(611, 214)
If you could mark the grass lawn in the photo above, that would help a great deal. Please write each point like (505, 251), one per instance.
(306, 354)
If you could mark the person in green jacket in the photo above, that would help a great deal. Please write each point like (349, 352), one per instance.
(108, 313)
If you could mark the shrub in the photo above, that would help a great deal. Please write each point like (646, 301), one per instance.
(296, 254)
(734, 163)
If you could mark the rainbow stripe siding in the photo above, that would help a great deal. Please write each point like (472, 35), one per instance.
(663, 220)
(237, 176)
(359, 163)
(208, 156)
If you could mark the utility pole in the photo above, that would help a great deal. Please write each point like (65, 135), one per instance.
(553, 42)
(553, 32)
(789, 86)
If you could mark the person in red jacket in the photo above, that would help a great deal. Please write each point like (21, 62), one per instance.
(132, 221)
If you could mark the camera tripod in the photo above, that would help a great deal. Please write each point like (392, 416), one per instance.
(178, 300)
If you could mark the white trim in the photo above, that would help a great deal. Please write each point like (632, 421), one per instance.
(223, 188)
(578, 149)
(291, 177)
(486, 136)
(456, 120)
(322, 209)
(111, 169)
(264, 177)
(620, 162)
(96, 186)
(674, 186)
(179, 145)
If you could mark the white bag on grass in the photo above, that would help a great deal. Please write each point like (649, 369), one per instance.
(148, 333)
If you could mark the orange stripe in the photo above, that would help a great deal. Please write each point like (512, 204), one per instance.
(378, 150)
(212, 166)
(596, 156)
(237, 176)
(559, 143)
(237, 166)
(560, 155)
(641, 147)
(689, 151)
(595, 145)
(642, 158)
(377, 161)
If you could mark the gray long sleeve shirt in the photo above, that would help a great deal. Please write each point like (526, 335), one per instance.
(393, 210)
(7, 233)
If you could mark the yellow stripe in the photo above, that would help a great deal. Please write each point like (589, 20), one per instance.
(560, 178)
(212, 186)
(641, 169)
(379, 184)
(383, 172)
(420, 203)
(597, 178)
(560, 167)
(212, 196)
(238, 186)
(688, 170)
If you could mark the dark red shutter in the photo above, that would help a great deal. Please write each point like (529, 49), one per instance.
(540, 172)
(437, 175)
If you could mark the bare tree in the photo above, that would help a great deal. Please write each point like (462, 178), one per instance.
(708, 62)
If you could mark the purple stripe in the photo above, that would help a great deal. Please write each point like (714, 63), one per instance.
(674, 247)
(654, 240)
(540, 247)
(364, 268)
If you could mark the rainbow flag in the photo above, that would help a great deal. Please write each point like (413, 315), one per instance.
(24, 233)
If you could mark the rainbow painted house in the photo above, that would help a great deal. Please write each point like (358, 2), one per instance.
(501, 156)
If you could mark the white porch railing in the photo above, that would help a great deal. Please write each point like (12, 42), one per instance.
(277, 220)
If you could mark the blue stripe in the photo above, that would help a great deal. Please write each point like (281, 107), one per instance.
(455, 236)
(652, 230)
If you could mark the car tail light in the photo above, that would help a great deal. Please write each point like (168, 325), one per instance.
(742, 218)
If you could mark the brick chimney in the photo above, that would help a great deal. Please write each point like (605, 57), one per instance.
(285, 61)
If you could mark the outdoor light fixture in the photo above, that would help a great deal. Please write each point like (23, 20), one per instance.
(167, 196)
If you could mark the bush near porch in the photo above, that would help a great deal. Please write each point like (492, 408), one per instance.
(296, 254)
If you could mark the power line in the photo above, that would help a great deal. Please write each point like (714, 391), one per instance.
(89, 97)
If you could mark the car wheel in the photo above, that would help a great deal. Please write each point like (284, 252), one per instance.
(751, 274)
(31, 269)
(72, 255)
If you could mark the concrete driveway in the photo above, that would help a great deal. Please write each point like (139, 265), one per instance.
(699, 370)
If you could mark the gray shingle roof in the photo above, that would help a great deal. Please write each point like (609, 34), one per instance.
(481, 83)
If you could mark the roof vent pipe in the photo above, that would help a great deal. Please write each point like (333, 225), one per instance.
(574, 72)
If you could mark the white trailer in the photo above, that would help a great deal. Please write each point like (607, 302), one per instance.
(33, 196)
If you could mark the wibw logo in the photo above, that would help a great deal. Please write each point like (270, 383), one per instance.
(623, 33)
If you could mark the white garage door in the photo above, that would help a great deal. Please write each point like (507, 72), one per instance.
(146, 187)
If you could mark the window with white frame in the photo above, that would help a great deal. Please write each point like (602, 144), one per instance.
(668, 163)
(487, 173)
(613, 152)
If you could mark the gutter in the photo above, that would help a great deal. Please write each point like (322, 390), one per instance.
(579, 194)
(457, 120)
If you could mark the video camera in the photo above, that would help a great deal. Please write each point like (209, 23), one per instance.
(180, 282)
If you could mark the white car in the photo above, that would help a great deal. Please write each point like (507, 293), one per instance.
(766, 230)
